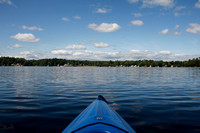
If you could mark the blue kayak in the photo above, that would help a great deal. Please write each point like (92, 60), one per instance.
(98, 117)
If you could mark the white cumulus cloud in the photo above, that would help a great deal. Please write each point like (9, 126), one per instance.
(26, 52)
(76, 47)
(9, 2)
(32, 28)
(29, 54)
(104, 27)
(164, 52)
(135, 51)
(164, 32)
(137, 22)
(154, 3)
(77, 17)
(101, 45)
(14, 46)
(32, 54)
(25, 37)
(133, 1)
(163, 3)
(176, 27)
(177, 33)
(64, 19)
(194, 28)
(102, 10)
(61, 52)
(125, 55)
(197, 5)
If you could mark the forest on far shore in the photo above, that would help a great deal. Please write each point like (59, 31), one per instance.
(12, 61)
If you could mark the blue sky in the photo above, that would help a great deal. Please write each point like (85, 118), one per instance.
(100, 29)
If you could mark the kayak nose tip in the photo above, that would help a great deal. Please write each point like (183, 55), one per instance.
(102, 98)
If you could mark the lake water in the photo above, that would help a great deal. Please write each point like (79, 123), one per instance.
(47, 99)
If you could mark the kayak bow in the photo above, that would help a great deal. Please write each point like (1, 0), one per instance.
(98, 117)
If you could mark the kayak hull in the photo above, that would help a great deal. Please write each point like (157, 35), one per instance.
(98, 117)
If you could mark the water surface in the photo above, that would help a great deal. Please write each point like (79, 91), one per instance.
(47, 99)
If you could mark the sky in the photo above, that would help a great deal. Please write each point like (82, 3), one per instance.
(100, 29)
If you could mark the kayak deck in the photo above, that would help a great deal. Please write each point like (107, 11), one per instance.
(99, 117)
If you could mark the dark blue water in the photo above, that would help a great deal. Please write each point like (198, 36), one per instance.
(47, 99)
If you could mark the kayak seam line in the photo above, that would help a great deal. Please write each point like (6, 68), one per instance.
(99, 123)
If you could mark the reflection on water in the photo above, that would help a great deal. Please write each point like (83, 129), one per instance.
(46, 99)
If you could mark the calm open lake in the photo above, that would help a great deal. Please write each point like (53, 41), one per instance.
(47, 99)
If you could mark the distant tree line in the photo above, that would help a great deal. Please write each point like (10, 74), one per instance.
(11, 61)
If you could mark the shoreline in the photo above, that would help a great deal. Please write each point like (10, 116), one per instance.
(12, 61)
